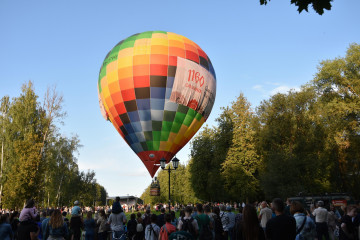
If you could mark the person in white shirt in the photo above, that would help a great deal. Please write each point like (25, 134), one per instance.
(152, 230)
(265, 215)
(321, 219)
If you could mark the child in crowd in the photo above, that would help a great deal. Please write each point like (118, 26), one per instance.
(29, 212)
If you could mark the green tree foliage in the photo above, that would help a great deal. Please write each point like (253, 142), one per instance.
(338, 86)
(4, 104)
(180, 187)
(24, 128)
(317, 5)
(202, 153)
(241, 167)
(37, 162)
(290, 145)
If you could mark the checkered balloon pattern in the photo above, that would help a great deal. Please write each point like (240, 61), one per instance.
(154, 102)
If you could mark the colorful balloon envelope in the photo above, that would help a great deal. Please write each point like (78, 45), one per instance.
(157, 89)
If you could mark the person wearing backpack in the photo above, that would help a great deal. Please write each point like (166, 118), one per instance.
(188, 223)
(167, 228)
(204, 223)
(152, 230)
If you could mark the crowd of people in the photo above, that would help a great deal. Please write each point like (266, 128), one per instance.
(274, 221)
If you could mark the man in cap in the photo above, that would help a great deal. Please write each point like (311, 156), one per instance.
(76, 210)
(76, 222)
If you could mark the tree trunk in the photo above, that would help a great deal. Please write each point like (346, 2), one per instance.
(1, 171)
(58, 192)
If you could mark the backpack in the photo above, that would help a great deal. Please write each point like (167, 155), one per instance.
(164, 234)
(151, 229)
(205, 232)
(187, 226)
(219, 230)
(139, 227)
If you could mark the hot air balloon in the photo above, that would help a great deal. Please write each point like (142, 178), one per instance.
(157, 88)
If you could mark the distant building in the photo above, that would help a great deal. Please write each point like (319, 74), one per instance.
(128, 200)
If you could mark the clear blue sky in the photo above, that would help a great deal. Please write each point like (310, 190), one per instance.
(257, 50)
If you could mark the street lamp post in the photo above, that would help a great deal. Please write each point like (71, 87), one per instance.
(175, 162)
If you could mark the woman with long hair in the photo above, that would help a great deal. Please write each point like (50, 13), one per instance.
(103, 228)
(89, 225)
(57, 228)
(218, 227)
(249, 227)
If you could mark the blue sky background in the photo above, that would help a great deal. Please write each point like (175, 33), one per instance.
(257, 50)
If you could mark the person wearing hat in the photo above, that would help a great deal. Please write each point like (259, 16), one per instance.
(76, 210)
(321, 219)
(76, 221)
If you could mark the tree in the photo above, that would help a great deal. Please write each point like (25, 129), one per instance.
(60, 156)
(36, 160)
(337, 83)
(5, 104)
(241, 167)
(24, 130)
(200, 167)
(290, 144)
(181, 190)
(317, 5)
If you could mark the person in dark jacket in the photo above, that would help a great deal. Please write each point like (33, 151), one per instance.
(347, 227)
(161, 218)
(76, 224)
(131, 226)
(281, 227)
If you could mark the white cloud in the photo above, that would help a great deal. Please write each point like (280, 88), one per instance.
(259, 88)
(283, 89)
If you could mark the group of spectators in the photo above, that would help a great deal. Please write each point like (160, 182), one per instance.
(317, 222)
(274, 221)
